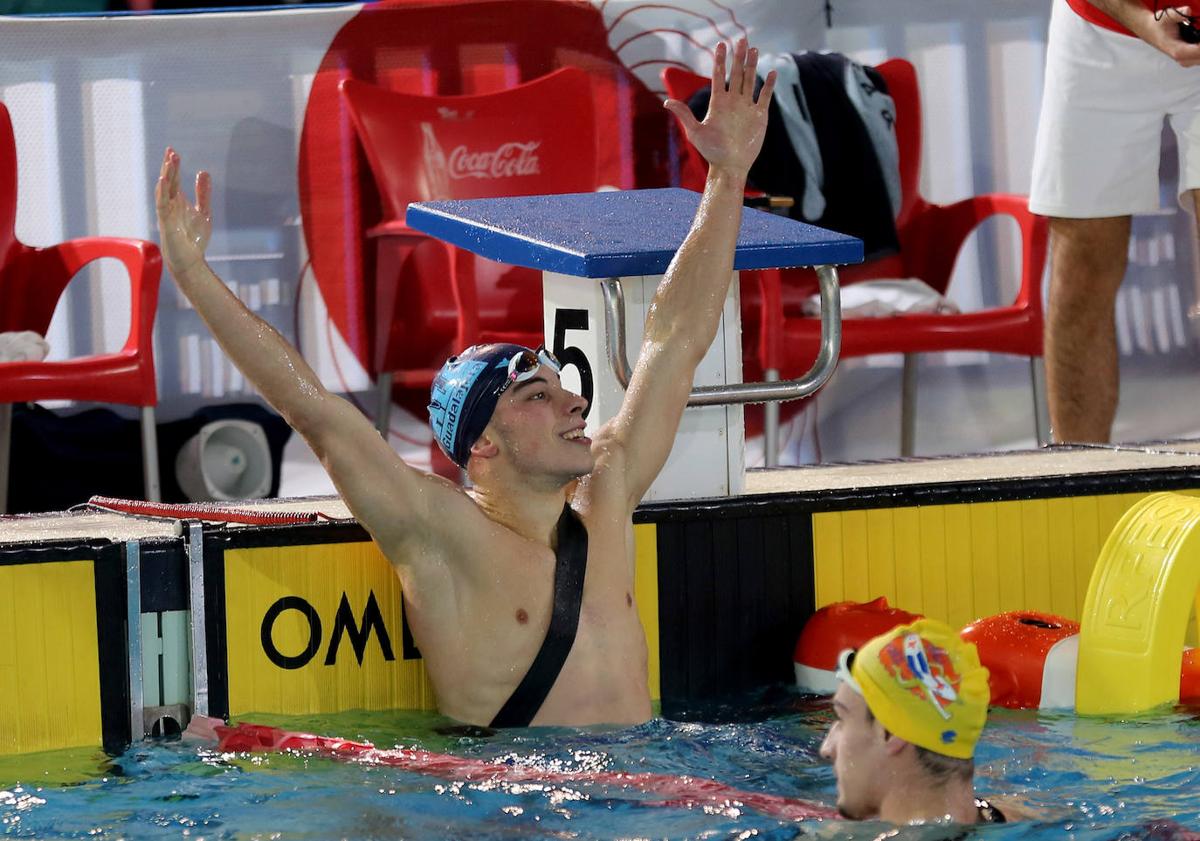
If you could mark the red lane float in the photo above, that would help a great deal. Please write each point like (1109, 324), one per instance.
(1031, 656)
(207, 511)
(676, 791)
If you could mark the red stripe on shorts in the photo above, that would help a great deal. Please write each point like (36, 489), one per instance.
(1093, 15)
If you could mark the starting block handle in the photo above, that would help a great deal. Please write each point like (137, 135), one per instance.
(722, 395)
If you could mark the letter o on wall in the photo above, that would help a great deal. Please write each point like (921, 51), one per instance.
(276, 656)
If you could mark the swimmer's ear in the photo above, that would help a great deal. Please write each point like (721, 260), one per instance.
(485, 447)
(893, 744)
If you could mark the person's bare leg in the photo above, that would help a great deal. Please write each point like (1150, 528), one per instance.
(1196, 205)
(1088, 260)
(1194, 309)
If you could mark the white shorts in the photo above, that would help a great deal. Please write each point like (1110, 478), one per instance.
(1100, 131)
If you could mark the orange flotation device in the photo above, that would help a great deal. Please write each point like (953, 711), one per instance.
(837, 627)
(1030, 656)
(1189, 677)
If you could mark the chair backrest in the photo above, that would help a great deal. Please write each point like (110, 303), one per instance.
(8, 186)
(901, 78)
(25, 304)
(534, 138)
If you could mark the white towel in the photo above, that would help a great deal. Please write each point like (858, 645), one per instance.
(25, 346)
(882, 298)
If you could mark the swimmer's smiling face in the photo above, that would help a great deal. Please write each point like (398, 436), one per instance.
(538, 425)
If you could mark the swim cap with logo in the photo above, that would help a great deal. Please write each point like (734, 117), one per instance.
(464, 396)
(923, 683)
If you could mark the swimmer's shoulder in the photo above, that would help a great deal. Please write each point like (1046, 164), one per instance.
(1006, 808)
(444, 515)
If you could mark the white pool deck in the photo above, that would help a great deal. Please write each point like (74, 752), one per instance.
(1051, 463)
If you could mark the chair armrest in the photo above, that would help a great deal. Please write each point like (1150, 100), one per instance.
(57, 264)
(935, 237)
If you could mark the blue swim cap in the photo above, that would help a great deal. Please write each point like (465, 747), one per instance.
(464, 396)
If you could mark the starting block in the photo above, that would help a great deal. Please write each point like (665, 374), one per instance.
(602, 256)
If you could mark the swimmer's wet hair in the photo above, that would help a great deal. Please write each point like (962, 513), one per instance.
(940, 767)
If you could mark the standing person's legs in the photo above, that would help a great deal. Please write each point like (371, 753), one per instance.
(1095, 165)
(1186, 123)
(1194, 309)
(1088, 259)
(1196, 206)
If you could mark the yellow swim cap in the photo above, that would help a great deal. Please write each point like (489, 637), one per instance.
(924, 684)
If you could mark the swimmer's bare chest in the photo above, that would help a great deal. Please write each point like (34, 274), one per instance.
(480, 632)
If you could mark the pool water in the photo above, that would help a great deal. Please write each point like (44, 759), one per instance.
(1091, 779)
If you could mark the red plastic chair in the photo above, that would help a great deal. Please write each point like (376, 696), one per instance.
(431, 299)
(930, 238)
(31, 282)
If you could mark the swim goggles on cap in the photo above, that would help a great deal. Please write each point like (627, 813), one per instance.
(845, 664)
(525, 363)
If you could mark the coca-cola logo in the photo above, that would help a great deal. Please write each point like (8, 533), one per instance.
(510, 160)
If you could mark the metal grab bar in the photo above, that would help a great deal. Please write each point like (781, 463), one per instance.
(720, 395)
(614, 329)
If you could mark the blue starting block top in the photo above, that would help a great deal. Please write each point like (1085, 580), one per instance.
(617, 234)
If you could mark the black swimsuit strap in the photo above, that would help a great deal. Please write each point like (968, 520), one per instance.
(528, 697)
(989, 813)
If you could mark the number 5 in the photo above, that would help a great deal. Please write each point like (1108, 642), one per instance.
(572, 319)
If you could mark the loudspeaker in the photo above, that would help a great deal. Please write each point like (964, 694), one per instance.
(226, 459)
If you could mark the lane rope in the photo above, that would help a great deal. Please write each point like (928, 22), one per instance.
(679, 791)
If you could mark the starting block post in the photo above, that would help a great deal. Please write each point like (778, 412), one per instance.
(602, 256)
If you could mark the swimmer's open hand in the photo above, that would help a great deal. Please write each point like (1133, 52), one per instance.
(183, 228)
(732, 132)
(202, 728)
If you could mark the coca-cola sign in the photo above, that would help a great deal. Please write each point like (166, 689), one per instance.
(510, 160)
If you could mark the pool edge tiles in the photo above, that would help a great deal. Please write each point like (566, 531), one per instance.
(1046, 464)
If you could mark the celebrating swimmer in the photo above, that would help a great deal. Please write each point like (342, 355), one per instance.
(519, 592)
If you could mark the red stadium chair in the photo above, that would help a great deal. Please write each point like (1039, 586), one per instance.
(31, 282)
(432, 299)
(930, 238)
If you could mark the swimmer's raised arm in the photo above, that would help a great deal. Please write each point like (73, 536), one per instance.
(687, 306)
(384, 493)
